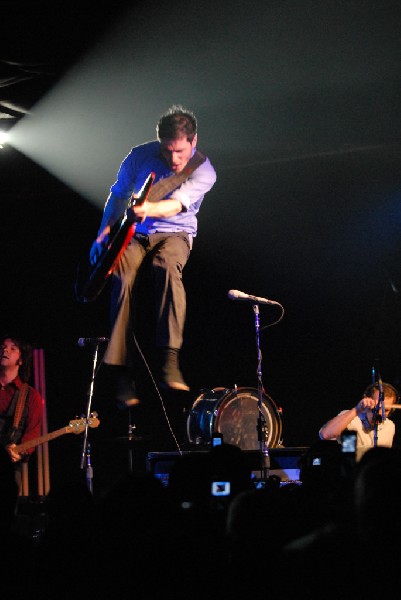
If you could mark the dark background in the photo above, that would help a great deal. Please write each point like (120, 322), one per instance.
(298, 109)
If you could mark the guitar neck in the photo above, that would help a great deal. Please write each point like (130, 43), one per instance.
(144, 192)
(41, 440)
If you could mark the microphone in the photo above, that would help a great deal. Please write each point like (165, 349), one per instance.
(380, 404)
(88, 341)
(380, 384)
(237, 295)
(376, 371)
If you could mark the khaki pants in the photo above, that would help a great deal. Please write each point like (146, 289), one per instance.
(166, 254)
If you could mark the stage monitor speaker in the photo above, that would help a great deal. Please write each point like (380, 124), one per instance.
(161, 463)
(283, 462)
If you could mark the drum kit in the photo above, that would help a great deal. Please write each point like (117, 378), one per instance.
(234, 413)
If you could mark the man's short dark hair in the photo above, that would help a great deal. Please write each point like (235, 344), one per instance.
(26, 351)
(177, 122)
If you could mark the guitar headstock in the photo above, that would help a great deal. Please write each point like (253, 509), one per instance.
(78, 425)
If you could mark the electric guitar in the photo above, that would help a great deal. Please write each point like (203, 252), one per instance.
(76, 426)
(91, 279)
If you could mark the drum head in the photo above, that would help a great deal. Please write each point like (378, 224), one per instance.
(238, 419)
(234, 414)
(201, 419)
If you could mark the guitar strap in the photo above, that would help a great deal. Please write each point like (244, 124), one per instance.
(164, 186)
(20, 405)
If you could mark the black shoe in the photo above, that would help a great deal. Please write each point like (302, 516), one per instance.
(122, 386)
(170, 374)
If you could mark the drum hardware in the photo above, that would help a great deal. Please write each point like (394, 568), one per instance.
(132, 437)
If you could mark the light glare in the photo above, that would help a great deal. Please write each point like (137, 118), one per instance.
(4, 138)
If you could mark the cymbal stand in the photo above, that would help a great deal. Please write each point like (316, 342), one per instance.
(86, 456)
(131, 439)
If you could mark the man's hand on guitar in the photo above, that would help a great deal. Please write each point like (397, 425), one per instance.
(98, 245)
(140, 211)
(163, 209)
(15, 456)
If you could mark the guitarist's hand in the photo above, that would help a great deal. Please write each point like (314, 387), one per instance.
(140, 211)
(98, 245)
(15, 456)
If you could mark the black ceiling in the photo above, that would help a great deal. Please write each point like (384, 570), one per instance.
(40, 40)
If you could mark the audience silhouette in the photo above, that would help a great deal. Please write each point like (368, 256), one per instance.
(331, 534)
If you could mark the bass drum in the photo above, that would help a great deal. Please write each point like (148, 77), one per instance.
(234, 414)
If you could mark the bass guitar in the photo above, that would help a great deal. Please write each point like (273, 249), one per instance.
(76, 426)
(91, 279)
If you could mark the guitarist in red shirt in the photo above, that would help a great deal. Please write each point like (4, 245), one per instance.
(21, 405)
(166, 225)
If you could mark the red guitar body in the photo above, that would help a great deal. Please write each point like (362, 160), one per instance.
(91, 279)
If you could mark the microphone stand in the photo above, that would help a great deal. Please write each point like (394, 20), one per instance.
(86, 456)
(380, 405)
(261, 422)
